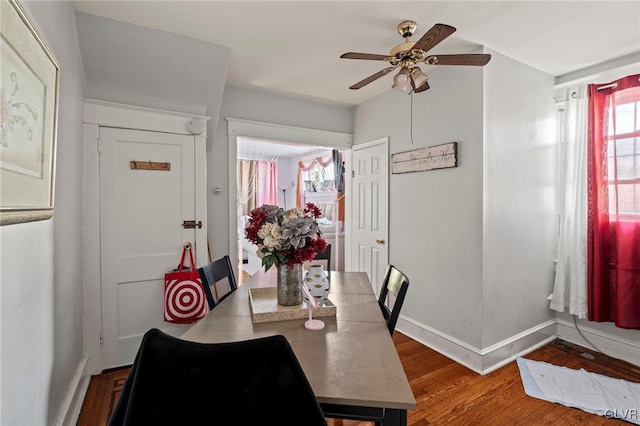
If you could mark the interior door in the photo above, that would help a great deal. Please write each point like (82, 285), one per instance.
(142, 210)
(369, 210)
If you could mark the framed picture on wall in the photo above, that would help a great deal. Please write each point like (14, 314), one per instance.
(29, 79)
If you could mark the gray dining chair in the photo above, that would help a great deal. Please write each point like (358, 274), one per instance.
(392, 294)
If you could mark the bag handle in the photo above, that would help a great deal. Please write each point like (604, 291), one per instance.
(185, 248)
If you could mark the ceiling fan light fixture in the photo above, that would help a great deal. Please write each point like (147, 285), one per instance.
(418, 77)
(410, 53)
(401, 80)
(405, 87)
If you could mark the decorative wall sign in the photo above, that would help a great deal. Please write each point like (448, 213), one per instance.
(430, 158)
(29, 89)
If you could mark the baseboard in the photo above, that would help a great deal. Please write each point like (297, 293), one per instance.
(451, 347)
(482, 361)
(613, 346)
(72, 403)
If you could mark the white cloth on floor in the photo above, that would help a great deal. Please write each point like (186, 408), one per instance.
(590, 392)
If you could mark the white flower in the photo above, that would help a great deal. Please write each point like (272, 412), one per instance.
(271, 236)
(291, 214)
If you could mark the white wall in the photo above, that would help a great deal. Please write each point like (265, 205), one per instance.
(134, 65)
(520, 212)
(616, 342)
(478, 240)
(40, 279)
(130, 64)
(263, 107)
(435, 218)
(27, 322)
(288, 178)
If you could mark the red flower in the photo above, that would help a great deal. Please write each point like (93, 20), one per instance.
(257, 219)
(314, 243)
(319, 245)
(313, 209)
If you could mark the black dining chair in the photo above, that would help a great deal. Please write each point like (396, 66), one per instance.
(179, 382)
(325, 255)
(213, 273)
(394, 289)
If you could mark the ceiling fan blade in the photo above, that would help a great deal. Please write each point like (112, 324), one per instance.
(422, 88)
(371, 78)
(469, 59)
(435, 35)
(369, 56)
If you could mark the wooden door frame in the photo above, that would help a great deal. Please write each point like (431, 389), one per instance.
(108, 114)
(349, 206)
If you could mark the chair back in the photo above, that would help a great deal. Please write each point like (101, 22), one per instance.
(392, 294)
(325, 255)
(178, 382)
(213, 273)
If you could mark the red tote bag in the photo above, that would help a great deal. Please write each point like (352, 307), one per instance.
(184, 298)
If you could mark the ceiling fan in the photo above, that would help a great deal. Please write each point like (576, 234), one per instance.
(409, 54)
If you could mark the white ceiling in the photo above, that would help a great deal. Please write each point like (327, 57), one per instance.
(293, 48)
(260, 149)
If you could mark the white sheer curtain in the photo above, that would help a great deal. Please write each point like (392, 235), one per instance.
(247, 186)
(570, 285)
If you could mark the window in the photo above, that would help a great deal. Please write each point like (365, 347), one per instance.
(613, 232)
(623, 157)
(320, 177)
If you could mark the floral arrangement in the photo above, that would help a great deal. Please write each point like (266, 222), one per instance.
(285, 237)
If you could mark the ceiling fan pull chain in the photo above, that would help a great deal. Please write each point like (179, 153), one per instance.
(411, 117)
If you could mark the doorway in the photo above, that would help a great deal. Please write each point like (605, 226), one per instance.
(133, 217)
(289, 175)
(142, 210)
(293, 136)
(369, 210)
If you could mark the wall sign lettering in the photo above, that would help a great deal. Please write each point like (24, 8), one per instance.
(423, 159)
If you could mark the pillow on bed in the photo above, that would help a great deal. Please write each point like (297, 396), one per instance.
(331, 227)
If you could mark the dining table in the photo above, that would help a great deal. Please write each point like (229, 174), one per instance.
(351, 364)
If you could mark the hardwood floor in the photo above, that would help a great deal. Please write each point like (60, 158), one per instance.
(446, 392)
(102, 395)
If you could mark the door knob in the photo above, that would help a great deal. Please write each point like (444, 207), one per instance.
(380, 241)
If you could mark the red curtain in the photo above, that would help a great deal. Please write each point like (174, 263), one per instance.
(613, 237)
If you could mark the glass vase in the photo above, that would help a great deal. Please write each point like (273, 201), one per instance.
(289, 280)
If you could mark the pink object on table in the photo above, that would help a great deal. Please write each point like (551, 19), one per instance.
(311, 324)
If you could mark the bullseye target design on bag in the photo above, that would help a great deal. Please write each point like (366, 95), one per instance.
(184, 299)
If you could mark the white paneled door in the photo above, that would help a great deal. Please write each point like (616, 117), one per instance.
(369, 209)
(141, 231)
